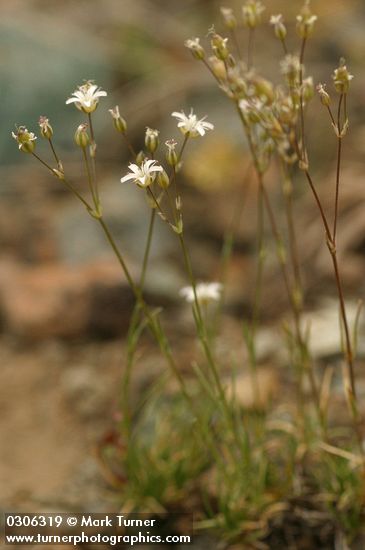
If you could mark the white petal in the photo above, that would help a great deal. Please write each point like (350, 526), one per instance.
(128, 177)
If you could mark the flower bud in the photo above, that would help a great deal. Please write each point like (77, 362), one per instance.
(251, 13)
(46, 128)
(171, 155)
(324, 96)
(217, 67)
(140, 158)
(25, 139)
(119, 122)
(197, 50)
(279, 27)
(151, 140)
(290, 67)
(229, 18)
(305, 21)
(219, 46)
(308, 89)
(341, 78)
(163, 180)
(81, 137)
(264, 88)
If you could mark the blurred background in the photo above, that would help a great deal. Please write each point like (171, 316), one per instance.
(64, 305)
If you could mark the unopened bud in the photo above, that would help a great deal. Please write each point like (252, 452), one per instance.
(151, 140)
(171, 155)
(342, 78)
(218, 68)
(119, 123)
(163, 179)
(251, 13)
(308, 88)
(219, 46)
(46, 128)
(279, 27)
(305, 21)
(229, 18)
(81, 137)
(140, 158)
(324, 96)
(197, 50)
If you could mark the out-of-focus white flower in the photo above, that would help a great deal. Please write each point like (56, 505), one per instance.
(143, 175)
(342, 78)
(25, 139)
(86, 97)
(191, 125)
(205, 292)
(251, 12)
(276, 19)
(193, 44)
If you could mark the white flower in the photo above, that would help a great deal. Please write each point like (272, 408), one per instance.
(190, 125)
(205, 292)
(86, 97)
(276, 19)
(143, 175)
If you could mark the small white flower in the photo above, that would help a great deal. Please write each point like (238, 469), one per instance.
(143, 175)
(192, 43)
(205, 292)
(190, 125)
(276, 19)
(86, 97)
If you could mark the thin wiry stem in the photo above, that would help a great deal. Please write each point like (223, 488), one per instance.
(338, 168)
(250, 47)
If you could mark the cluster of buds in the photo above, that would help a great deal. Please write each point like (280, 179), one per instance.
(305, 21)
(342, 78)
(25, 139)
(251, 13)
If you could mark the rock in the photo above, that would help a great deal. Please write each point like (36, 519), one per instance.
(53, 300)
(242, 389)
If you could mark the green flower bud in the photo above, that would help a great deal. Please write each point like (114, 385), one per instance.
(140, 158)
(279, 27)
(151, 140)
(342, 78)
(163, 179)
(171, 155)
(81, 137)
(251, 13)
(119, 123)
(197, 50)
(324, 96)
(229, 18)
(219, 46)
(46, 128)
(305, 21)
